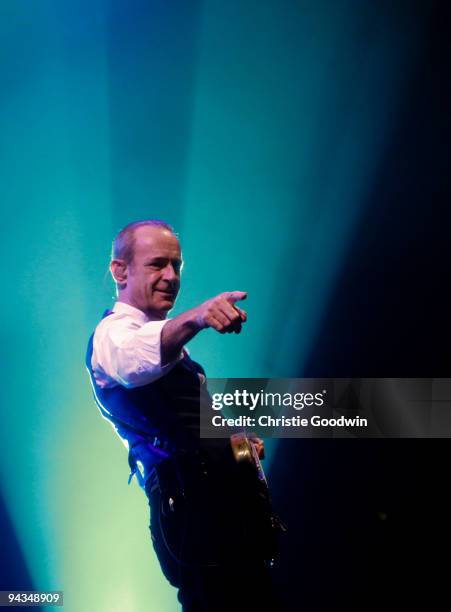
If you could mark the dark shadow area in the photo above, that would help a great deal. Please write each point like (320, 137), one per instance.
(369, 518)
(389, 313)
(367, 523)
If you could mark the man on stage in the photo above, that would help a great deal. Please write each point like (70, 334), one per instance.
(213, 533)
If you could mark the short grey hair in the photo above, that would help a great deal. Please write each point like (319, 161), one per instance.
(124, 244)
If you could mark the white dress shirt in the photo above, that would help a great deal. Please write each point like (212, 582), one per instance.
(126, 349)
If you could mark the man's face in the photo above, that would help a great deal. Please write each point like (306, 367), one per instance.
(153, 278)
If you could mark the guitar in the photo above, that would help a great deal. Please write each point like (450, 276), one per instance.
(246, 455)
(244, 451)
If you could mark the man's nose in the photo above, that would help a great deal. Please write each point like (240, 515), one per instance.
(169, 273)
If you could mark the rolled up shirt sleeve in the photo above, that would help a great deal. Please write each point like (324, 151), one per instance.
(128, 354)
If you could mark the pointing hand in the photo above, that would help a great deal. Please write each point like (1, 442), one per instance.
(221, 314)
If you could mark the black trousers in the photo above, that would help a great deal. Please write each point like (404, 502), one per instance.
(210, 534)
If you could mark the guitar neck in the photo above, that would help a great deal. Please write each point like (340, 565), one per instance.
(258, 465)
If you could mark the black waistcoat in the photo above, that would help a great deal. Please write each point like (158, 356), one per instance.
(165, 411)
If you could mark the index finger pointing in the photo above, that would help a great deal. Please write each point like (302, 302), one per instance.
(235, 296)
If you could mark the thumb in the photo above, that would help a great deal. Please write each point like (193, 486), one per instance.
(235, 296)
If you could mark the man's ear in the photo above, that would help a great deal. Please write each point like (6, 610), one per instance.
(119, 271)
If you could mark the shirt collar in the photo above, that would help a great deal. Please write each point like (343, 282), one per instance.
(135, 313)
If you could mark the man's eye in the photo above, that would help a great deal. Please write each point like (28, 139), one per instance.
(157, 265)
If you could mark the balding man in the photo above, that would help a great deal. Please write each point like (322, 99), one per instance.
(212, 536)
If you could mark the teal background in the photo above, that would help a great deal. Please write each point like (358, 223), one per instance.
(256, 129)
